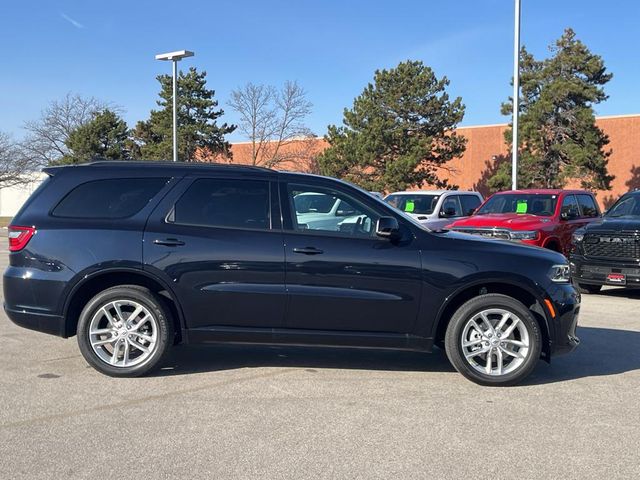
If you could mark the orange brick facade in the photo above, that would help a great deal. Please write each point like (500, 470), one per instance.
(486, 149)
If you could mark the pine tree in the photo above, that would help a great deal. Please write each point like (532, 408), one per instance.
(559, 140)
(103, 137)
(399, 132)
(197, 121)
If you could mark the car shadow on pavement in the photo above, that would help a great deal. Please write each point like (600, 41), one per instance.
(602, 352)
(208, 358)
(618, 292)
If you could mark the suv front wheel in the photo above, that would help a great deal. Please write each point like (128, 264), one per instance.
(125, 331)
(493, 339)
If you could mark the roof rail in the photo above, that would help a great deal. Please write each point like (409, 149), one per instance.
(166, 163)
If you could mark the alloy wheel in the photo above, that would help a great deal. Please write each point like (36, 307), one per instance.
(495, 342)
(123, 333)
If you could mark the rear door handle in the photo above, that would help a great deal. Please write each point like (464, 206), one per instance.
(307, 250)
(168, 242)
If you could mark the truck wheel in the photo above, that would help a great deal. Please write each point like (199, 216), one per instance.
(493, 340)
(125, 331)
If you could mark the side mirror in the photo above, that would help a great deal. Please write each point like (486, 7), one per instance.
(448, 212)
(387, 227)
(570, 214)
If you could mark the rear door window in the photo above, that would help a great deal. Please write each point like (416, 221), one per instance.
(469, 204)
(109, 199)
(588, 206)
(226, 203)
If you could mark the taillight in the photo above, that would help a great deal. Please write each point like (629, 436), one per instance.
(19, 237)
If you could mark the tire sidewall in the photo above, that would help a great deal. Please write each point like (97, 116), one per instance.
(140, 295)
(466, 312)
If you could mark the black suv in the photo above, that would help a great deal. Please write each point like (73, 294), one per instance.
(134, 257)
(607, 252)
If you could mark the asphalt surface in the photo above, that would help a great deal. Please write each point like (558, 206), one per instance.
(260, 412)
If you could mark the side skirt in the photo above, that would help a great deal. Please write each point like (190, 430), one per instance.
(324, 338)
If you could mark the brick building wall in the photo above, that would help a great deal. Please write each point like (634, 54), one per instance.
(486, 149)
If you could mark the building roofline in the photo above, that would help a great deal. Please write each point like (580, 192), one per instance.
(598, 117)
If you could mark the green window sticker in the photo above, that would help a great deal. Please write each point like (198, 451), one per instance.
(521, 206)
(410, 206)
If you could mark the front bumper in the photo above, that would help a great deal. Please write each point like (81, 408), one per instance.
(565, 300)
(594, 272)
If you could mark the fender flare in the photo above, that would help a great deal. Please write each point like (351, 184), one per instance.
(68, 297)
(514, 281)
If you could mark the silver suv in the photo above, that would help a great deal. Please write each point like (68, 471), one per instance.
(435, 208)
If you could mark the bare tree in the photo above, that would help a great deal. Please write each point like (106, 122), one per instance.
(46, 139)
(16, 168)
(273, 122)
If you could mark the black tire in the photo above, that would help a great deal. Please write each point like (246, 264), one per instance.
(163, 323)
(586, 288)
(455, 331)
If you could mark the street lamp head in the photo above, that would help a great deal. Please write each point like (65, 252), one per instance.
(179, 55)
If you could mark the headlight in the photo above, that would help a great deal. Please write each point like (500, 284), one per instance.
(523, 235)
(560, 273)
(577, 237)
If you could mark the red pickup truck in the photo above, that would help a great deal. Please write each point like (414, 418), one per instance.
(545, 218)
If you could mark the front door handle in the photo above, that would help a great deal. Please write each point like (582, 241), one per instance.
(307, 250)
(169, 242)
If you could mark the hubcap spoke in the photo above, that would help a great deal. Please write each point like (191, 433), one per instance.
(476, 353)
(486, 321)
(140, 347)
(472, 343)
(112, 321)
(104, 341)
(125, 354)
(116, 350)
(511, 327)
(489, 358)
(502, 322)
(517, 355)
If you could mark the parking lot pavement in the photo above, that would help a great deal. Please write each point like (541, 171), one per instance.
(260, 412)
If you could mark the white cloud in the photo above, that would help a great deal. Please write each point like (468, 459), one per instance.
(73, 22)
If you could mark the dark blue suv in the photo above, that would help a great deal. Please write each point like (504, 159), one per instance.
(134, 257)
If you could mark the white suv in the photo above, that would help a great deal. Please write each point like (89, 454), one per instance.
(435, 208)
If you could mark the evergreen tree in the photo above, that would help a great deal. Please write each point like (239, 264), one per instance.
(103, 137)
(197, 126)
(398, 134)
(558, 137)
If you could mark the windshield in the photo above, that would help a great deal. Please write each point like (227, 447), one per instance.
(314, 203)
(626, 207)
(417, 204)
(543, 205)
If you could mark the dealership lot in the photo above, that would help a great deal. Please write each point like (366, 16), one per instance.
(266, 412)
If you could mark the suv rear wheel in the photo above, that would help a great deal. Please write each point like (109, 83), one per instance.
(125, 331)
(493, 340)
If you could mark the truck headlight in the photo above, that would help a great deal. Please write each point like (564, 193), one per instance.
(560, 273)
(523, 234)
(577, 237)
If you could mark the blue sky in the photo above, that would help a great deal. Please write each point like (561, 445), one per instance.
(330, 47)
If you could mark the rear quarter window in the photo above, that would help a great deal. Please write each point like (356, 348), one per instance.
(111, 198)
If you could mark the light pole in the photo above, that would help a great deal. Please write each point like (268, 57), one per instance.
(175, 57)
(516, 97)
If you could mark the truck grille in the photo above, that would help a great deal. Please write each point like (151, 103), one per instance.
(612, 245)
(485, 232)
